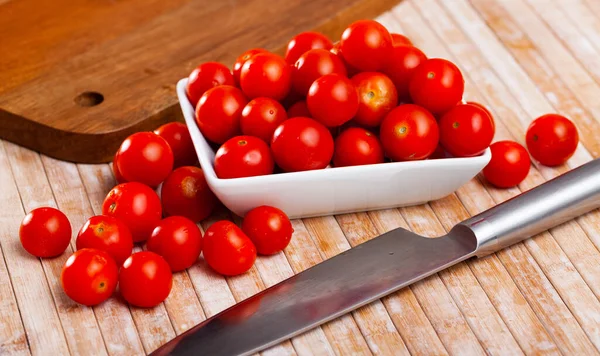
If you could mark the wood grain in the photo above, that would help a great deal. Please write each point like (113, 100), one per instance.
(131, 53)
(537, 297)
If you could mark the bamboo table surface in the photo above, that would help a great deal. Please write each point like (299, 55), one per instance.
(522, 58)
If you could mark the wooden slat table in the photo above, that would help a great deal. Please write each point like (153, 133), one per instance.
(523, 58)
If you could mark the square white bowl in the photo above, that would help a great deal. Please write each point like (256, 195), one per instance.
(334, 190)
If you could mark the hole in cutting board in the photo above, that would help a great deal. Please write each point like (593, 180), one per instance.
(89, 98)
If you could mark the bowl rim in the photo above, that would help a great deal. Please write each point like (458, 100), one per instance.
(208, 165)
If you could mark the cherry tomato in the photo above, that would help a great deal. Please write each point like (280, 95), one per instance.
(366, 45)
(227, 249)
(243, 156)
(186, 193)
(356, 146)
(299, 109)
(145, 157)
(400, 40)
(261, 117)
(409, 132)
(487, 111)
(304, 42)
(509, 164)
(466, 130)
(377, 96)
(266, 74)
(239, 62)
(402, 64)
(45, 232)
(89, 276)
(302, 144)
(437, 85)
(178, 137)
(218, 113)
(108, 234)
(178, 240)
(207, 76)
(269, 229)
(145, 280)
(552, 139)
(332, 100)
(118, 176)
(137, 206)
(312, 65)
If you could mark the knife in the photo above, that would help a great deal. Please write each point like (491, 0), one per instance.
(383, 265)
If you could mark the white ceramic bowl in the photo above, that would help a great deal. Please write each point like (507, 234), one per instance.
(334, 190)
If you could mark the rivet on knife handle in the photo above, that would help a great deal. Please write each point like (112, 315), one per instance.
(552, 203)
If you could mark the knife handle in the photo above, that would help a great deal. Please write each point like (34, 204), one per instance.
(547, 205)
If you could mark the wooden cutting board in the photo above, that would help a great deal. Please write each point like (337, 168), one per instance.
(78, 76)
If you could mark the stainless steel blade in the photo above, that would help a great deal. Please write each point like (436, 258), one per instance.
(324, 292)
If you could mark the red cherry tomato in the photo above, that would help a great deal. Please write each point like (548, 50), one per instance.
(118, 176)
(218, 113)
(207, 76)
(89, 276)
(377, 96)
(145, 280)
(239, 62)
(304, 42)
(403, 62)
(267, 75)
(186, 193)
(227, 249)
(243, 156)
(357, 146)
(145, 157)
(108, 234)
(400, 40)
(437, 85)
(366, 45)
(45, 232)
(178, 137)
(487, 111)
(299, 109)
(269, 229)
(261, 117)
(509, 164)
(137, 206)
(178, 240)
(312, 65)
(552, 139)
(332, 100)
(409, 132)
(466, 130)
(302, 144)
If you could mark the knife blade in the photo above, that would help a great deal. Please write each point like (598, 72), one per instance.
(383, 265)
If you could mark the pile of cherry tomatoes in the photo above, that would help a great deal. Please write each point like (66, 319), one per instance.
(368, 98)
(133, 212)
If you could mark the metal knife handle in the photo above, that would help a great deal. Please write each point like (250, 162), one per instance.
(547, 205)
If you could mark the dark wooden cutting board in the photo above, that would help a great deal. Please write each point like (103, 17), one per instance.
(78, 76)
